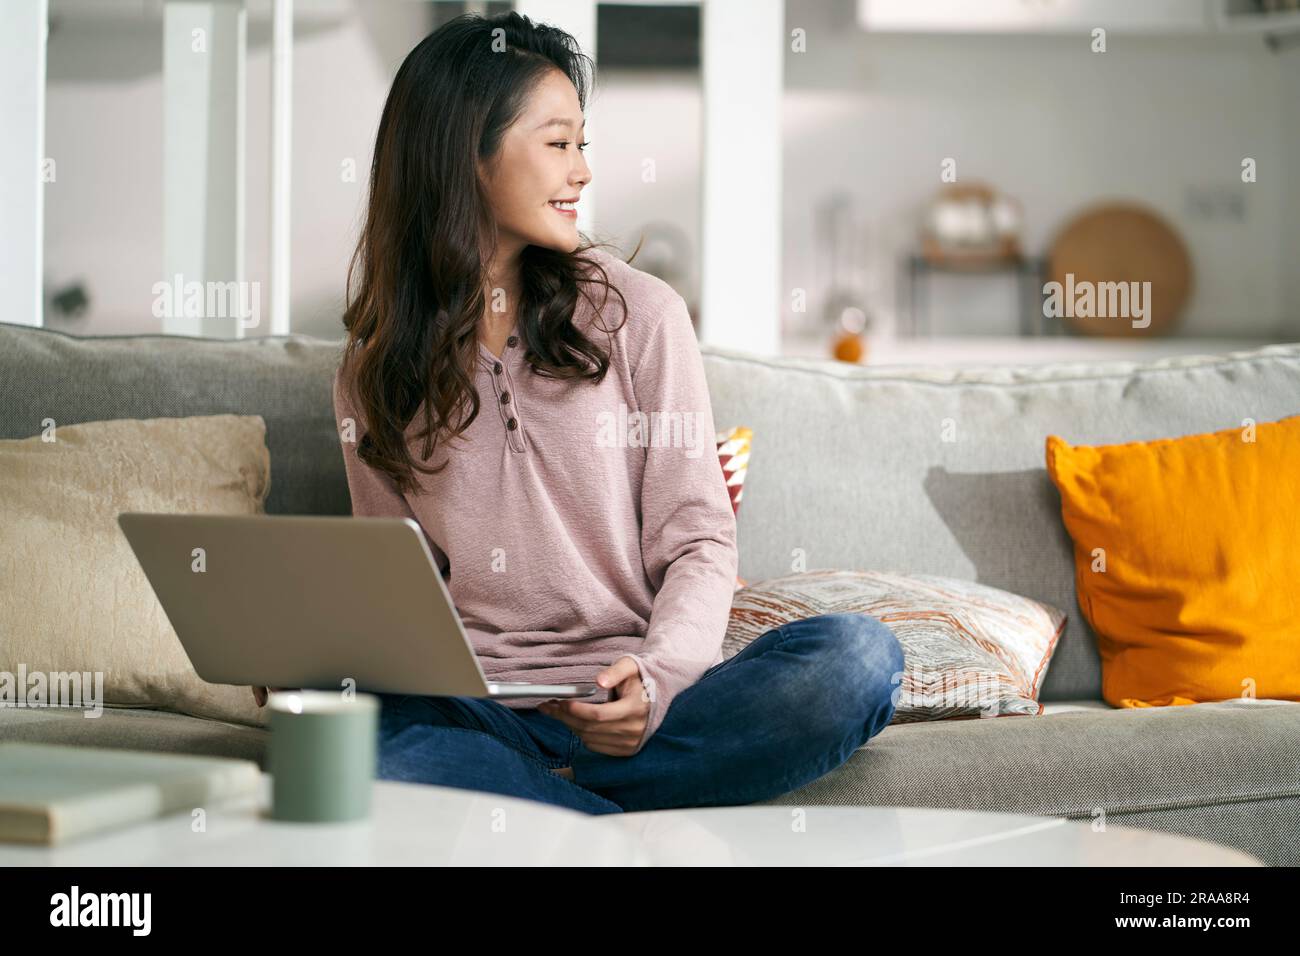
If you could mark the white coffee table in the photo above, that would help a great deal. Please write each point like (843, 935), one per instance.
(413, 824)
(904, 836)
(410, 825)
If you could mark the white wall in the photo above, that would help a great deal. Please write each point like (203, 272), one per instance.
(1056, 125)
(103, 219)
(1289, 242)
(341, 78)
(22, 149)
(104, 126)
(649, 115)
(105, 106)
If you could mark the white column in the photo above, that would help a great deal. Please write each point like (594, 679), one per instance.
(281, 156)
(742, 51)
(577, 18)
(203, 163)
(23, 36)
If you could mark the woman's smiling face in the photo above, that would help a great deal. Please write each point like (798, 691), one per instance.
(540, 162)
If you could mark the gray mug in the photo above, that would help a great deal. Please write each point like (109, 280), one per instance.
(322, 755)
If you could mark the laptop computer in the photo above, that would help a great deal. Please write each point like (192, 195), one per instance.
(310, 601)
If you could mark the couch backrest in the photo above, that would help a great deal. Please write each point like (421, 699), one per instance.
(917, 471)
(943, 472)
(287, 380)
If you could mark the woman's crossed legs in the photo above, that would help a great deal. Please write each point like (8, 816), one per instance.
(789, 708)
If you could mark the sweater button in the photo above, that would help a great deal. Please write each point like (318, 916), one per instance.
(512, 424)
(505, 398)
(512, 341)
(497, 367)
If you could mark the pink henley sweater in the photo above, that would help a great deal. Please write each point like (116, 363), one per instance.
(571, 530)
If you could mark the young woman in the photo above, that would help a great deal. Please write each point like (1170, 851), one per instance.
(493, 368)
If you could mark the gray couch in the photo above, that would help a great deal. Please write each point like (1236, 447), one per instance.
(849, 465)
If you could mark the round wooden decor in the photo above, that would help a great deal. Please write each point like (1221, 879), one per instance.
(1112, 244)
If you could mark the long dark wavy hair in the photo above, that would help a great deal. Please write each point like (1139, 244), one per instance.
(422, 257)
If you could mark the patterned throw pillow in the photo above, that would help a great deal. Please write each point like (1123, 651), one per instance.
(969, 650)
(733, 452)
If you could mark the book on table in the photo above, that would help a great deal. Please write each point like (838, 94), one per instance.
(53, 793)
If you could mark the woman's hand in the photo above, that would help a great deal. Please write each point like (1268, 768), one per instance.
(615, 726)
(260, 693)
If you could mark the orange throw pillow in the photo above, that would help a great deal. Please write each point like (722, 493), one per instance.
(1187, 561)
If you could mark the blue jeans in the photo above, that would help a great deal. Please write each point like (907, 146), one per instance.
(789, 708)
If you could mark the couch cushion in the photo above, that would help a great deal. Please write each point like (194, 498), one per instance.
(135, 728)
(943, 471)
(1075, 763)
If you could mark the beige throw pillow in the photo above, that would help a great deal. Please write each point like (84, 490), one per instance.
(73, 597)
